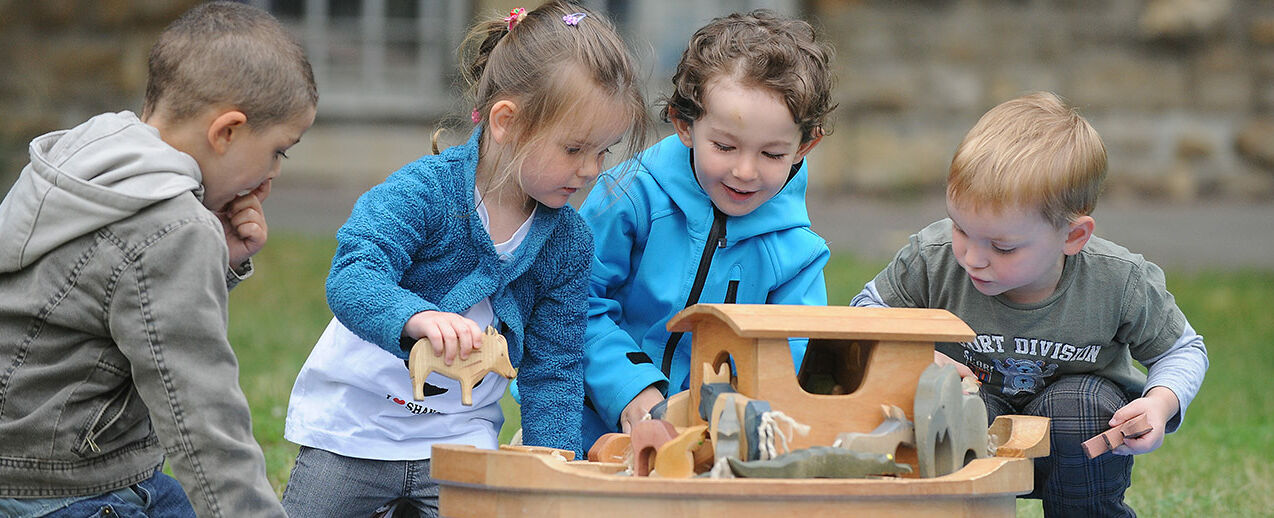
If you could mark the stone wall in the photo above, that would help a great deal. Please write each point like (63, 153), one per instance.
(63, 61)
(1182, 91)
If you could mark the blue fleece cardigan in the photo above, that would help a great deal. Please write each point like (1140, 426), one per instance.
(415, 243)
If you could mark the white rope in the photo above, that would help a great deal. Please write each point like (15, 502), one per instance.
(769, 430)
(721, 469)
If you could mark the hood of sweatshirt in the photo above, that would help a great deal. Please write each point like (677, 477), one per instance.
(82, 179)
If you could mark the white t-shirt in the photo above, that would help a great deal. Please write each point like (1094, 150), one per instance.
(355, 399)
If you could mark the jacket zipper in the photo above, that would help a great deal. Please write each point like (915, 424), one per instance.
(716, 239)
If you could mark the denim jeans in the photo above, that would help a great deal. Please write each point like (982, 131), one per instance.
(330, 485)
(159, 496)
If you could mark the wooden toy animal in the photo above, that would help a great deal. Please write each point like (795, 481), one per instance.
(894, 431)
(493, 356)
(951, 426)
(820, 462)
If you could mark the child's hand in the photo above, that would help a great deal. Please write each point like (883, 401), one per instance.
(963, 370)
(639, 407)
(1159, 405)
(244, 222)
(448, 333)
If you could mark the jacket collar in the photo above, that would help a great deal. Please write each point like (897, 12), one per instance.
(545, 220)
(669, 163)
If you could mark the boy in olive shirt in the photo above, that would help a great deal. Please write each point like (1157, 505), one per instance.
(1059, 313)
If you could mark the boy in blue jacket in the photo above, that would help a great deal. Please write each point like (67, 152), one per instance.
(715, 213)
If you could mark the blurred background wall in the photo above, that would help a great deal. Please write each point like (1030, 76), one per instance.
(1181, 90)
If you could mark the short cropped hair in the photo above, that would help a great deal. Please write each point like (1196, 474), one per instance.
(1035, 150)
(229, 54)
(760, 49)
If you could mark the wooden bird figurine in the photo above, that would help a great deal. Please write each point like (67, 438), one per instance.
(493, 356)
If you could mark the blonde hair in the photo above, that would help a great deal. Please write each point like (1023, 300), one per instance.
(760, 49)
(1034, 150)
(231, 54)
(539, 63)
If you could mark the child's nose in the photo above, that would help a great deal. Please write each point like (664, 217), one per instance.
(745, 169)
(975, 257)
(590, 169)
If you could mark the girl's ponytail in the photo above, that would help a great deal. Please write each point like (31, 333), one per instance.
(476, 49)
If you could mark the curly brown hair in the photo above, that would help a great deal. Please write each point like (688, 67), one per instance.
(763, 49)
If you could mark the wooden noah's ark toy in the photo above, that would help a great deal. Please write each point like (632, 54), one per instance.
(870, 427)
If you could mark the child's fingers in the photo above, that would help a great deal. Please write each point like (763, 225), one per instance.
(476, 332)
(263, 191)
(961, 369)
(434, 335)
(1126, 412)
(464, 340)
(449, 343)
(1139, 445)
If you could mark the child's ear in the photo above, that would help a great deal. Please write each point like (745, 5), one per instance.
(1078, 232)
(806, 147)
(683, 128)
(224, 129)
(501, 120)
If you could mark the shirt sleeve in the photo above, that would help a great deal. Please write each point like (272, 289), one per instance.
(807, 287)
(387, 227)
(551, 373)
(869, 297)
(611, 376)
(904, 282)
(1181, 370)
(169, 319)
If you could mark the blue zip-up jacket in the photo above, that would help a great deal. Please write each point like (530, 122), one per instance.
(415, 243)
(650, 228)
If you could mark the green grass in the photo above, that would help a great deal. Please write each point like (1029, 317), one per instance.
(1218, 463)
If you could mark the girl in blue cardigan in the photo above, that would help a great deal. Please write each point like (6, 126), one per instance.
(479, 235)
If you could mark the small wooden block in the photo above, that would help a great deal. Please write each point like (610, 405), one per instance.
(611, 447)
(493, 356)
(1112, 438)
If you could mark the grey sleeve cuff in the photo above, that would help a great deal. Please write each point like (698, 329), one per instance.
(1179, 369)
(869, 297)
(236, 275)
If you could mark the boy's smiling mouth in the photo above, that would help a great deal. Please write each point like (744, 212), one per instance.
(738, 194)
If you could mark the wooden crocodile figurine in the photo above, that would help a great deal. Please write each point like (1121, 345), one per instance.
(820, 462)
(493, 356)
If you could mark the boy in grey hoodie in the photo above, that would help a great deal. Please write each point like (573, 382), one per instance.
(118, 244)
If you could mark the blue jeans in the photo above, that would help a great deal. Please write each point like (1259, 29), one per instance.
(330, 485)
(159, 496)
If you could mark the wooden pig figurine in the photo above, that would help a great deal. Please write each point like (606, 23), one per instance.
(493, 356)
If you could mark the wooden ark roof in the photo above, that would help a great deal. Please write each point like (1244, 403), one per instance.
(833, 322)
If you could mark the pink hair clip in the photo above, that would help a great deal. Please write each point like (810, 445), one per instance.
(515, 15)
(574, 18)
(476, 117)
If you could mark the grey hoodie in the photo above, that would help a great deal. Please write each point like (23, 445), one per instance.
(113, 349)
